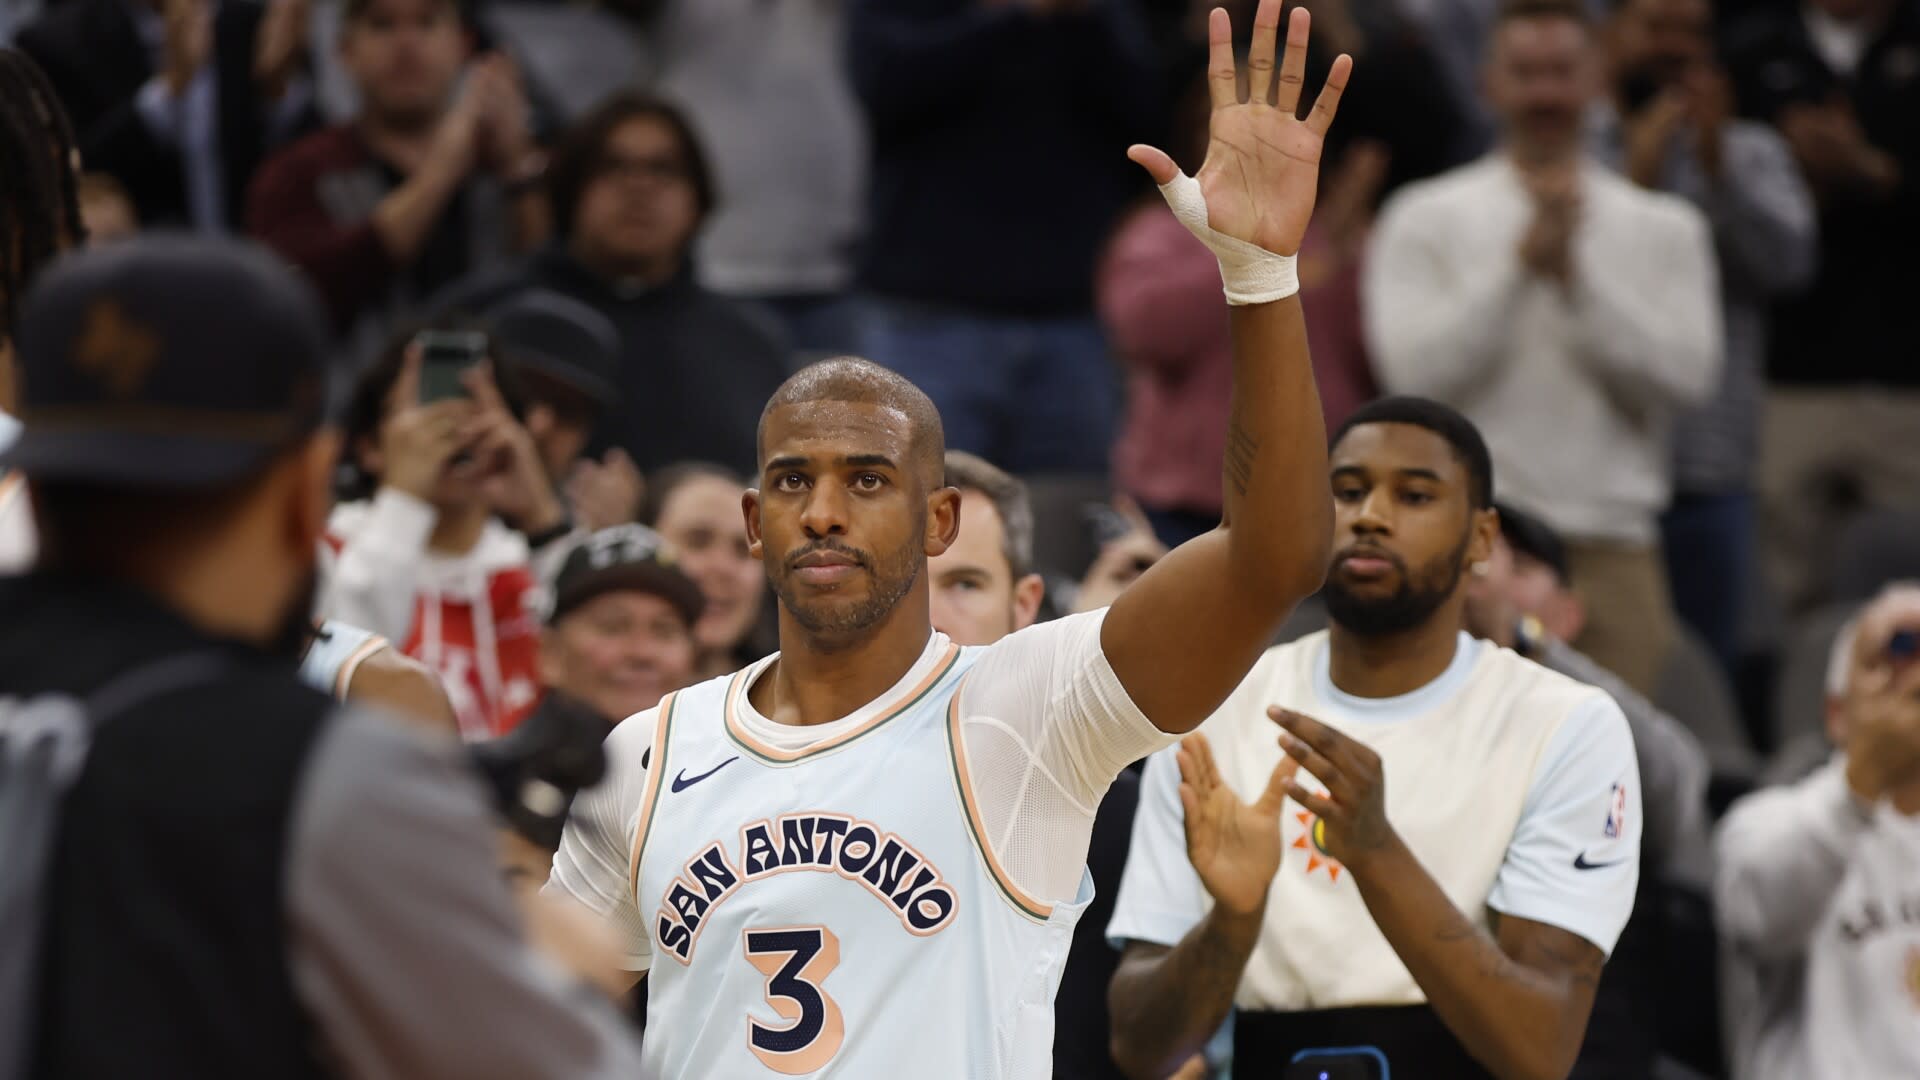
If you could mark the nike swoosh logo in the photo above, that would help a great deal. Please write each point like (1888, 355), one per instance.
(681, 782)
(1579, 861)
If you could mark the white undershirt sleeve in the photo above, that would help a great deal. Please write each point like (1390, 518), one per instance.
(1574, 861)
(1046, 726)
(596, 848)
(1161, 897)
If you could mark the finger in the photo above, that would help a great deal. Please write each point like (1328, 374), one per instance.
(1293, 63)
(1276, 793)
(1266, 31)
(1156, 162)
(1320, 806)
(1331, 776)
(406, 388)
(1204, 751)
(1328, 103)
(478, 380)
(1222, 84)
(1348, 756)
(1189, 766)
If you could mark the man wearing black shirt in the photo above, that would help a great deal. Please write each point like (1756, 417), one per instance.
(246, 880)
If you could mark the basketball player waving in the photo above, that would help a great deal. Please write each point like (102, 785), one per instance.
(864, 856)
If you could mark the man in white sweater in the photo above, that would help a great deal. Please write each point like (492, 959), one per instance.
(1568, 313)
(1818, 883)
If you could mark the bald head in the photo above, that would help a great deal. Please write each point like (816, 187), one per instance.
(849, 380)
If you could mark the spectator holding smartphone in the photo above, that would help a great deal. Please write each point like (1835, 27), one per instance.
(1818, 882)
(451, 528)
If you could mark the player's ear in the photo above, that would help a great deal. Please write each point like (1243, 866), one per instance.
(943, 520)
(1485, 526)
(309, 480)
(1027, 594)
(750, 509)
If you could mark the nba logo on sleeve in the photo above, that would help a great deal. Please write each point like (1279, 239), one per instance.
(1616, 812)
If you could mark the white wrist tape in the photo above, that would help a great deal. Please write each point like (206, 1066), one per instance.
(1248, 274)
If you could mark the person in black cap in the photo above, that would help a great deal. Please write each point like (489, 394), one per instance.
(242, 877)
(566, 356)
(620, 633)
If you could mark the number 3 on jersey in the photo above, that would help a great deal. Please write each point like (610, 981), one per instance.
(796, 960)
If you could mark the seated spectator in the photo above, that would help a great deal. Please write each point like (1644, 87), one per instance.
(106, 212)
(696, 507)
(1842, 430)
(630, 188)
(451, 526)
(1312, 855)
(1569, 313)
(564, 354)
(1818, 882)
(1669, 126)
(619, 636)
(179, 100)
(981, 283)
(436, 176)
(984, 587)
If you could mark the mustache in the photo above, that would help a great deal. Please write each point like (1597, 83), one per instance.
(858, 557)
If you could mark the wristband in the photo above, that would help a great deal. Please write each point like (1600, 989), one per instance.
(1248, 274)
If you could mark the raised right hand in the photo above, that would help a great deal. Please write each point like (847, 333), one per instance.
(418, 441)
(1233, 846)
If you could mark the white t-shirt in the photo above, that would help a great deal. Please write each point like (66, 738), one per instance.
(1515, 787)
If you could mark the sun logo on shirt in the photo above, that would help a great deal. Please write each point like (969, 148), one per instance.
(1313, 841)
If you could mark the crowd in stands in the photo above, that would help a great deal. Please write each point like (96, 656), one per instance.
(1657, 251)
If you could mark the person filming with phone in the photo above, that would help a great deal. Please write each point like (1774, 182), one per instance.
(1817, 883)
(452, 524)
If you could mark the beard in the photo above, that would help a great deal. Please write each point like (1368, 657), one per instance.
(891, 577)
(1408, 606)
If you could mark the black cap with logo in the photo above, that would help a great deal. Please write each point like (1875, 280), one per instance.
(624, 557)
(167, 361)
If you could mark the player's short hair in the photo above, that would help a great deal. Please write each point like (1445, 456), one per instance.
(1468, 447)
(1571, 10)
(862, 382)
(970, 472)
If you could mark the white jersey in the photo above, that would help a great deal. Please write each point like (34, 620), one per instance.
(891, 894)
(337, 652)
(1514, 786)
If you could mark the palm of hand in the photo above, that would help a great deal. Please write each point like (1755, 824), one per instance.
(1261, 175)
(1235, 849)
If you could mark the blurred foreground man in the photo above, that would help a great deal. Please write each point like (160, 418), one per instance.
(242, 878)
(1461, 828)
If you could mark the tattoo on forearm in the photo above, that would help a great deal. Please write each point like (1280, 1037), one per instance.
(1241, 448)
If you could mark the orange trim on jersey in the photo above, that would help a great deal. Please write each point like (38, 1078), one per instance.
(977, 825)
(656, 768)
(344, 677)
(736, 693)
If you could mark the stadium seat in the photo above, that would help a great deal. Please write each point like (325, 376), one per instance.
(1693, 690)
(1876, 547)
(1799, 703)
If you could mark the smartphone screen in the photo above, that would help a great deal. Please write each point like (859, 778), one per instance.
(445, 356)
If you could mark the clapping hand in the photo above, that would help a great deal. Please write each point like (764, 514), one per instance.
(1235, 847)
(1353, 810)
(514, 479)
(1263, 162)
